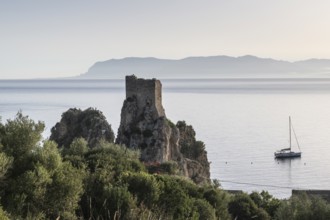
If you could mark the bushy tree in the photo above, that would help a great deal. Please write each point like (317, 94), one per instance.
(303, 207)
(47, 156)
(106, 194)
(118, 203)
(75, 153)
(5, 164)
(242, 207)
(78, 147)
(219, 201)
(65, 192)
(51, 188)
(144, 187)
(19, 138)
(266, 201)
(39, 184)
(204, 209)
(174, 202)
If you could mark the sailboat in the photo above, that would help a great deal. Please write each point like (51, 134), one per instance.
(287, 152)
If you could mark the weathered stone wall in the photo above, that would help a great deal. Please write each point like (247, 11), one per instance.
(148, 93)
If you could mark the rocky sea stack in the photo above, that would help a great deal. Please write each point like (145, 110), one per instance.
(144, 126)
(89, 124)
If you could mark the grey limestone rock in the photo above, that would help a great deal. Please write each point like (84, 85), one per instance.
(144, 126)
(89, 124)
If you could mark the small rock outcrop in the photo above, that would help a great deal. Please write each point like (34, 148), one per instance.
(198, 166)
(89, 124)
(144, 126)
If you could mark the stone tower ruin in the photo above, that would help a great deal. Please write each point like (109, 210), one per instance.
(144, 126)
(148, 94)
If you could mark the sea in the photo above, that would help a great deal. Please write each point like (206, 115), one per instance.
(242, 122)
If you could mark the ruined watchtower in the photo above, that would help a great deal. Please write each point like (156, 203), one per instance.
(148, 94)
(143, 119)
(144, 126)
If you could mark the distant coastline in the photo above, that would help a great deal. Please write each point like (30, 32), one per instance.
(208, 67)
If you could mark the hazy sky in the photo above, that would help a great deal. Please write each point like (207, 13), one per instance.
(40, 38)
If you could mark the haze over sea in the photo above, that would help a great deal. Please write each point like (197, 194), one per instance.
(241, 121)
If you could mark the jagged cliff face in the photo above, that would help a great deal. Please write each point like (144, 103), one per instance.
(154, 136)
(144, 126)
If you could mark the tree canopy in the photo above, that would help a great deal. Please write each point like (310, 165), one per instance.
(40, 180)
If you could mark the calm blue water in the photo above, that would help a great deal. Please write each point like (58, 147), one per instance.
(241, 121)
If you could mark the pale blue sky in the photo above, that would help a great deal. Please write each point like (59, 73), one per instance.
(41, 38)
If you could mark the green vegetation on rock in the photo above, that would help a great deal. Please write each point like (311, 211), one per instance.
(39, 180)
(89, 124)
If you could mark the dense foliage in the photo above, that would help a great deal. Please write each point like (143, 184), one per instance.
(38, 180)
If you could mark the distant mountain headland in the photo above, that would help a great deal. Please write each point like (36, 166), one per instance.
(208, 67)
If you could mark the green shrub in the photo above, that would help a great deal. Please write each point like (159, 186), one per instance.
(266, 201)
(118, 203)
(303, 207)
(219, 200)
(173, 199)
(19, 138)
(144, 187)
(204, 209)
(194, 150)
(5, 163)
(169, 167)
(243, 207)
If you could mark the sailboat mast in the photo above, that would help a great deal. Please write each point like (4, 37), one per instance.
(290, 130)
